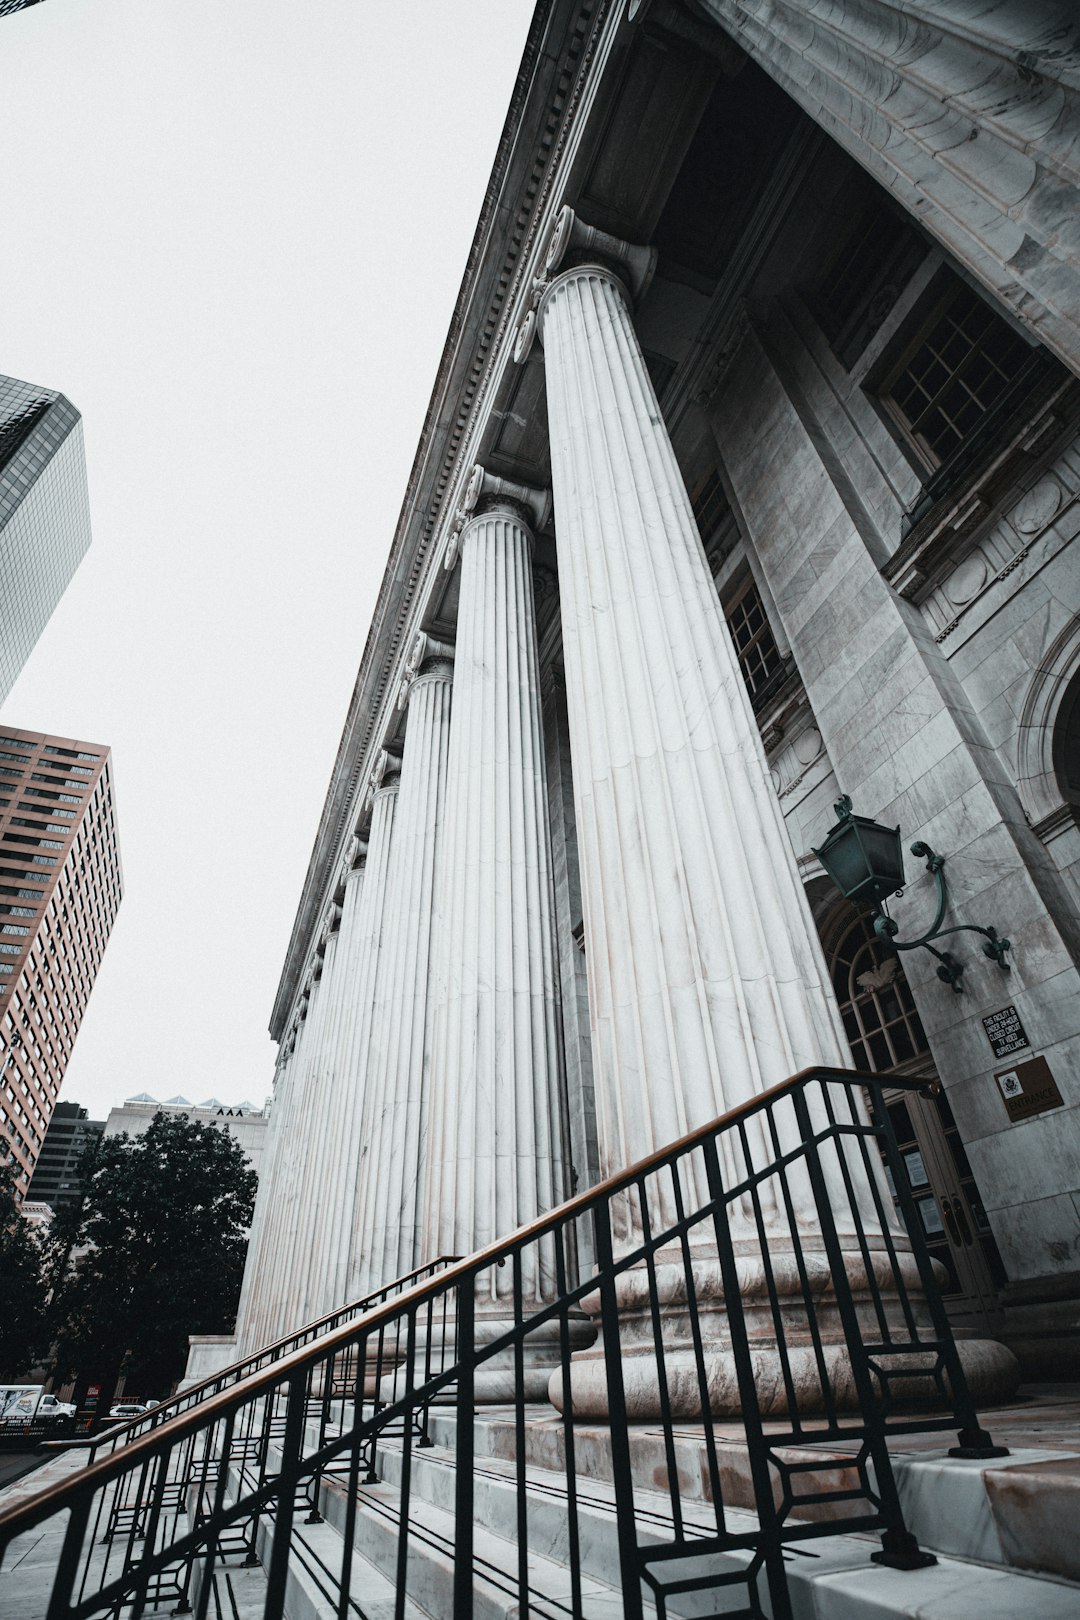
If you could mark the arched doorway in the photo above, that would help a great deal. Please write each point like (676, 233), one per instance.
(887, 1037)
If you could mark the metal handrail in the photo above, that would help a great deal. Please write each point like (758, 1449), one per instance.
(129, 1429)
(313, 1430)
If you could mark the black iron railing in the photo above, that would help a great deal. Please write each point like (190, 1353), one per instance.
(106, 1439)
(751, 1271)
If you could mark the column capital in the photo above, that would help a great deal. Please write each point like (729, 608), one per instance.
(382, 778)
(587, 248)
(487, 492)
(429, 659)
(426, 647)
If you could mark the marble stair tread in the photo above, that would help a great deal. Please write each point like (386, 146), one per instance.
(1012, 1511)
(831, 1579)
(1021, 1511)
(432, 1554)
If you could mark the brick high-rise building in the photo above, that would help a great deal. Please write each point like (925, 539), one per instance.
(44, 513)
(60, 886)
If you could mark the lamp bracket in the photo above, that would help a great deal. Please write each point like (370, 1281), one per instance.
(949, 971)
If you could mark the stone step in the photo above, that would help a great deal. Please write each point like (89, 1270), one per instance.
(1016, 1512)
(833, 1577)
(432, 1556)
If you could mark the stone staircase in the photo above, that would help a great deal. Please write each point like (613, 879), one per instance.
(1003, 1531)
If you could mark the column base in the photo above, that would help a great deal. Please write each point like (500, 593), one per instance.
(496, 1381)
(991, 1370)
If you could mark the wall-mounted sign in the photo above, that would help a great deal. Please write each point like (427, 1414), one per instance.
(1028, 1088)
(1005, 1032)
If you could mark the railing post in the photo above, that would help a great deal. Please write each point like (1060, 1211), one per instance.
(756, 1444)
(625, 1516)
(899, 1548)
(465, 1449)
(277, 1571)
(975, 1441)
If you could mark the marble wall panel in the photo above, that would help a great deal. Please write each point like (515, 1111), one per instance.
(905, 738)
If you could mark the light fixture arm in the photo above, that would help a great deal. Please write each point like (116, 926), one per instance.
(950, 971)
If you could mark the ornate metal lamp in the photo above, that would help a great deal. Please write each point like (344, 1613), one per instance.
(866, 862)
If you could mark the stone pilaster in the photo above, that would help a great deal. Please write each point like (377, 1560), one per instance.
(496, 1134)
(393, 1132)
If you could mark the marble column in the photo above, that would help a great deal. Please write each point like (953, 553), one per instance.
(251, 1288)
(343, 1185)
(393, 1130)
(271, 1244)
(282, 1306)
(318, 1215)
(707, 983)
(497, 1128)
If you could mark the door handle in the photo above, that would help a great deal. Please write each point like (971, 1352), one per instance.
(950, 1221)
(962, 1220)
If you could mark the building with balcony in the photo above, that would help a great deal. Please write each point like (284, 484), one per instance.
(61, 884)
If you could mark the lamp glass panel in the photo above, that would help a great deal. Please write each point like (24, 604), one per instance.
(884, 854)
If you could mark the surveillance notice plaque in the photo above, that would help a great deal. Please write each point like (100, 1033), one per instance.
(1028, 1088)
(1005, 1032)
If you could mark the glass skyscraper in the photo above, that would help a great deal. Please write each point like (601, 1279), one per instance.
(44, 513)
(8, 6)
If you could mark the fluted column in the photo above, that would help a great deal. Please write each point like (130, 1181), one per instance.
(251, 1287)
(267, 1266)
(706, 979)
(288, 1259)
(496, 1153)
(393, 1129)
(343, 1192)
(318, 1215)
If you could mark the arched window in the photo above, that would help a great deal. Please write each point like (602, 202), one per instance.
(876, 1003)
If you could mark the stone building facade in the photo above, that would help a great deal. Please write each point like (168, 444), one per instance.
(750, 479)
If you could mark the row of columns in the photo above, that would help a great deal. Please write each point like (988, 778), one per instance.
(706, 979)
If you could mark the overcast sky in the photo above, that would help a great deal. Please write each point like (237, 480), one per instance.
(232, 233)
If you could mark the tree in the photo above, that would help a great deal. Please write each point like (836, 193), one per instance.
(24, 1336)
(165, 1216)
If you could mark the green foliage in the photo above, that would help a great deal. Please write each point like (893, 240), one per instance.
(166, 1217)
(24, 1336)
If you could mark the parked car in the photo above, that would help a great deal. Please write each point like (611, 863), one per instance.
(128, 1409)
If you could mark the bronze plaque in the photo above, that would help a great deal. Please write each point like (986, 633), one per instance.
(1028, 1088)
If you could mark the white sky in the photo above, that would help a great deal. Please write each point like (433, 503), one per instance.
(232, 232)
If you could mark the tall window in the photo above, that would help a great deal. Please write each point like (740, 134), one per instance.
(960, 363)
(877, 1006)
(755, 646)
(759, 657)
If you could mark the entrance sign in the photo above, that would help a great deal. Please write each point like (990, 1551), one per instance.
(1029, 1089)
(1005, 1032)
